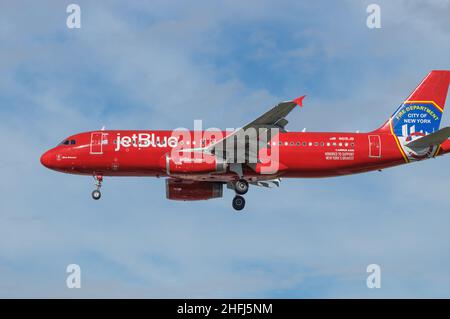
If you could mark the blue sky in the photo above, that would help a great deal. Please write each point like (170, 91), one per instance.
(162, 64)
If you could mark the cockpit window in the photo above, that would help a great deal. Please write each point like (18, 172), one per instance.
(65, 142)
(72, 142)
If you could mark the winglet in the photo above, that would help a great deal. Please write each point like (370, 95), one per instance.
(299, 100)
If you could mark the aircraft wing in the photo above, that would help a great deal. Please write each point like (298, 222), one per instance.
(274, 118)
(432, 139)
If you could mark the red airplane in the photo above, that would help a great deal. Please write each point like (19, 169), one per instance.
(198, 163)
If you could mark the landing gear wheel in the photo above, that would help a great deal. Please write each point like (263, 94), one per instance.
(98, 183)
(241, 187)
(238, 202)
(96, 194)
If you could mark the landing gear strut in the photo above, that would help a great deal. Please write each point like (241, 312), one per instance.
(96, 194)
(238, 202)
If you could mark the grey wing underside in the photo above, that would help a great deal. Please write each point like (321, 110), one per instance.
(242, 145)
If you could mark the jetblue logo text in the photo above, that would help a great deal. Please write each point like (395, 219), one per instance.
(144, 140)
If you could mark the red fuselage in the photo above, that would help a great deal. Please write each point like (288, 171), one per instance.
(198, 163)
(301, 154)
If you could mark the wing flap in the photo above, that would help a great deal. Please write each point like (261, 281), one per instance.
(271, 183)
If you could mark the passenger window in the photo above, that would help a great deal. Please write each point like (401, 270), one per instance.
(298, 143)
(291, 143)
(316, 143)
(322, 144)
(304, 143)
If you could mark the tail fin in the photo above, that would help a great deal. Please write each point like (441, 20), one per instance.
(420, 114)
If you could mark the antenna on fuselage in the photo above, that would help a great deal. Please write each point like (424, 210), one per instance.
(304, 130)
(103, 128)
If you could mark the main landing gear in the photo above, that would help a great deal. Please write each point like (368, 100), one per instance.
(238, 202)
(96, 194)
(240, 187)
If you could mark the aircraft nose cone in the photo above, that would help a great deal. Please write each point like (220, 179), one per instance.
(46, 159)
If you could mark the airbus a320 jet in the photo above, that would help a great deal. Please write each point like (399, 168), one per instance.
(197, 164)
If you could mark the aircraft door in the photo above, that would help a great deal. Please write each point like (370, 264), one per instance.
(97, 143)
(374, 146)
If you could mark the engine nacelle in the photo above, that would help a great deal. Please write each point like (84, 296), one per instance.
(192, 190)
(192, 163)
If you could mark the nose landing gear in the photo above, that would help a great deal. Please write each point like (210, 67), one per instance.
(240, 187)
(96, 194)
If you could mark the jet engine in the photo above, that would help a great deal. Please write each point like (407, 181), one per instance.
(192, 190)
(192, 163)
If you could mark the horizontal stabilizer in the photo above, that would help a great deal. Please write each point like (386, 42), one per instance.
(432, 139)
